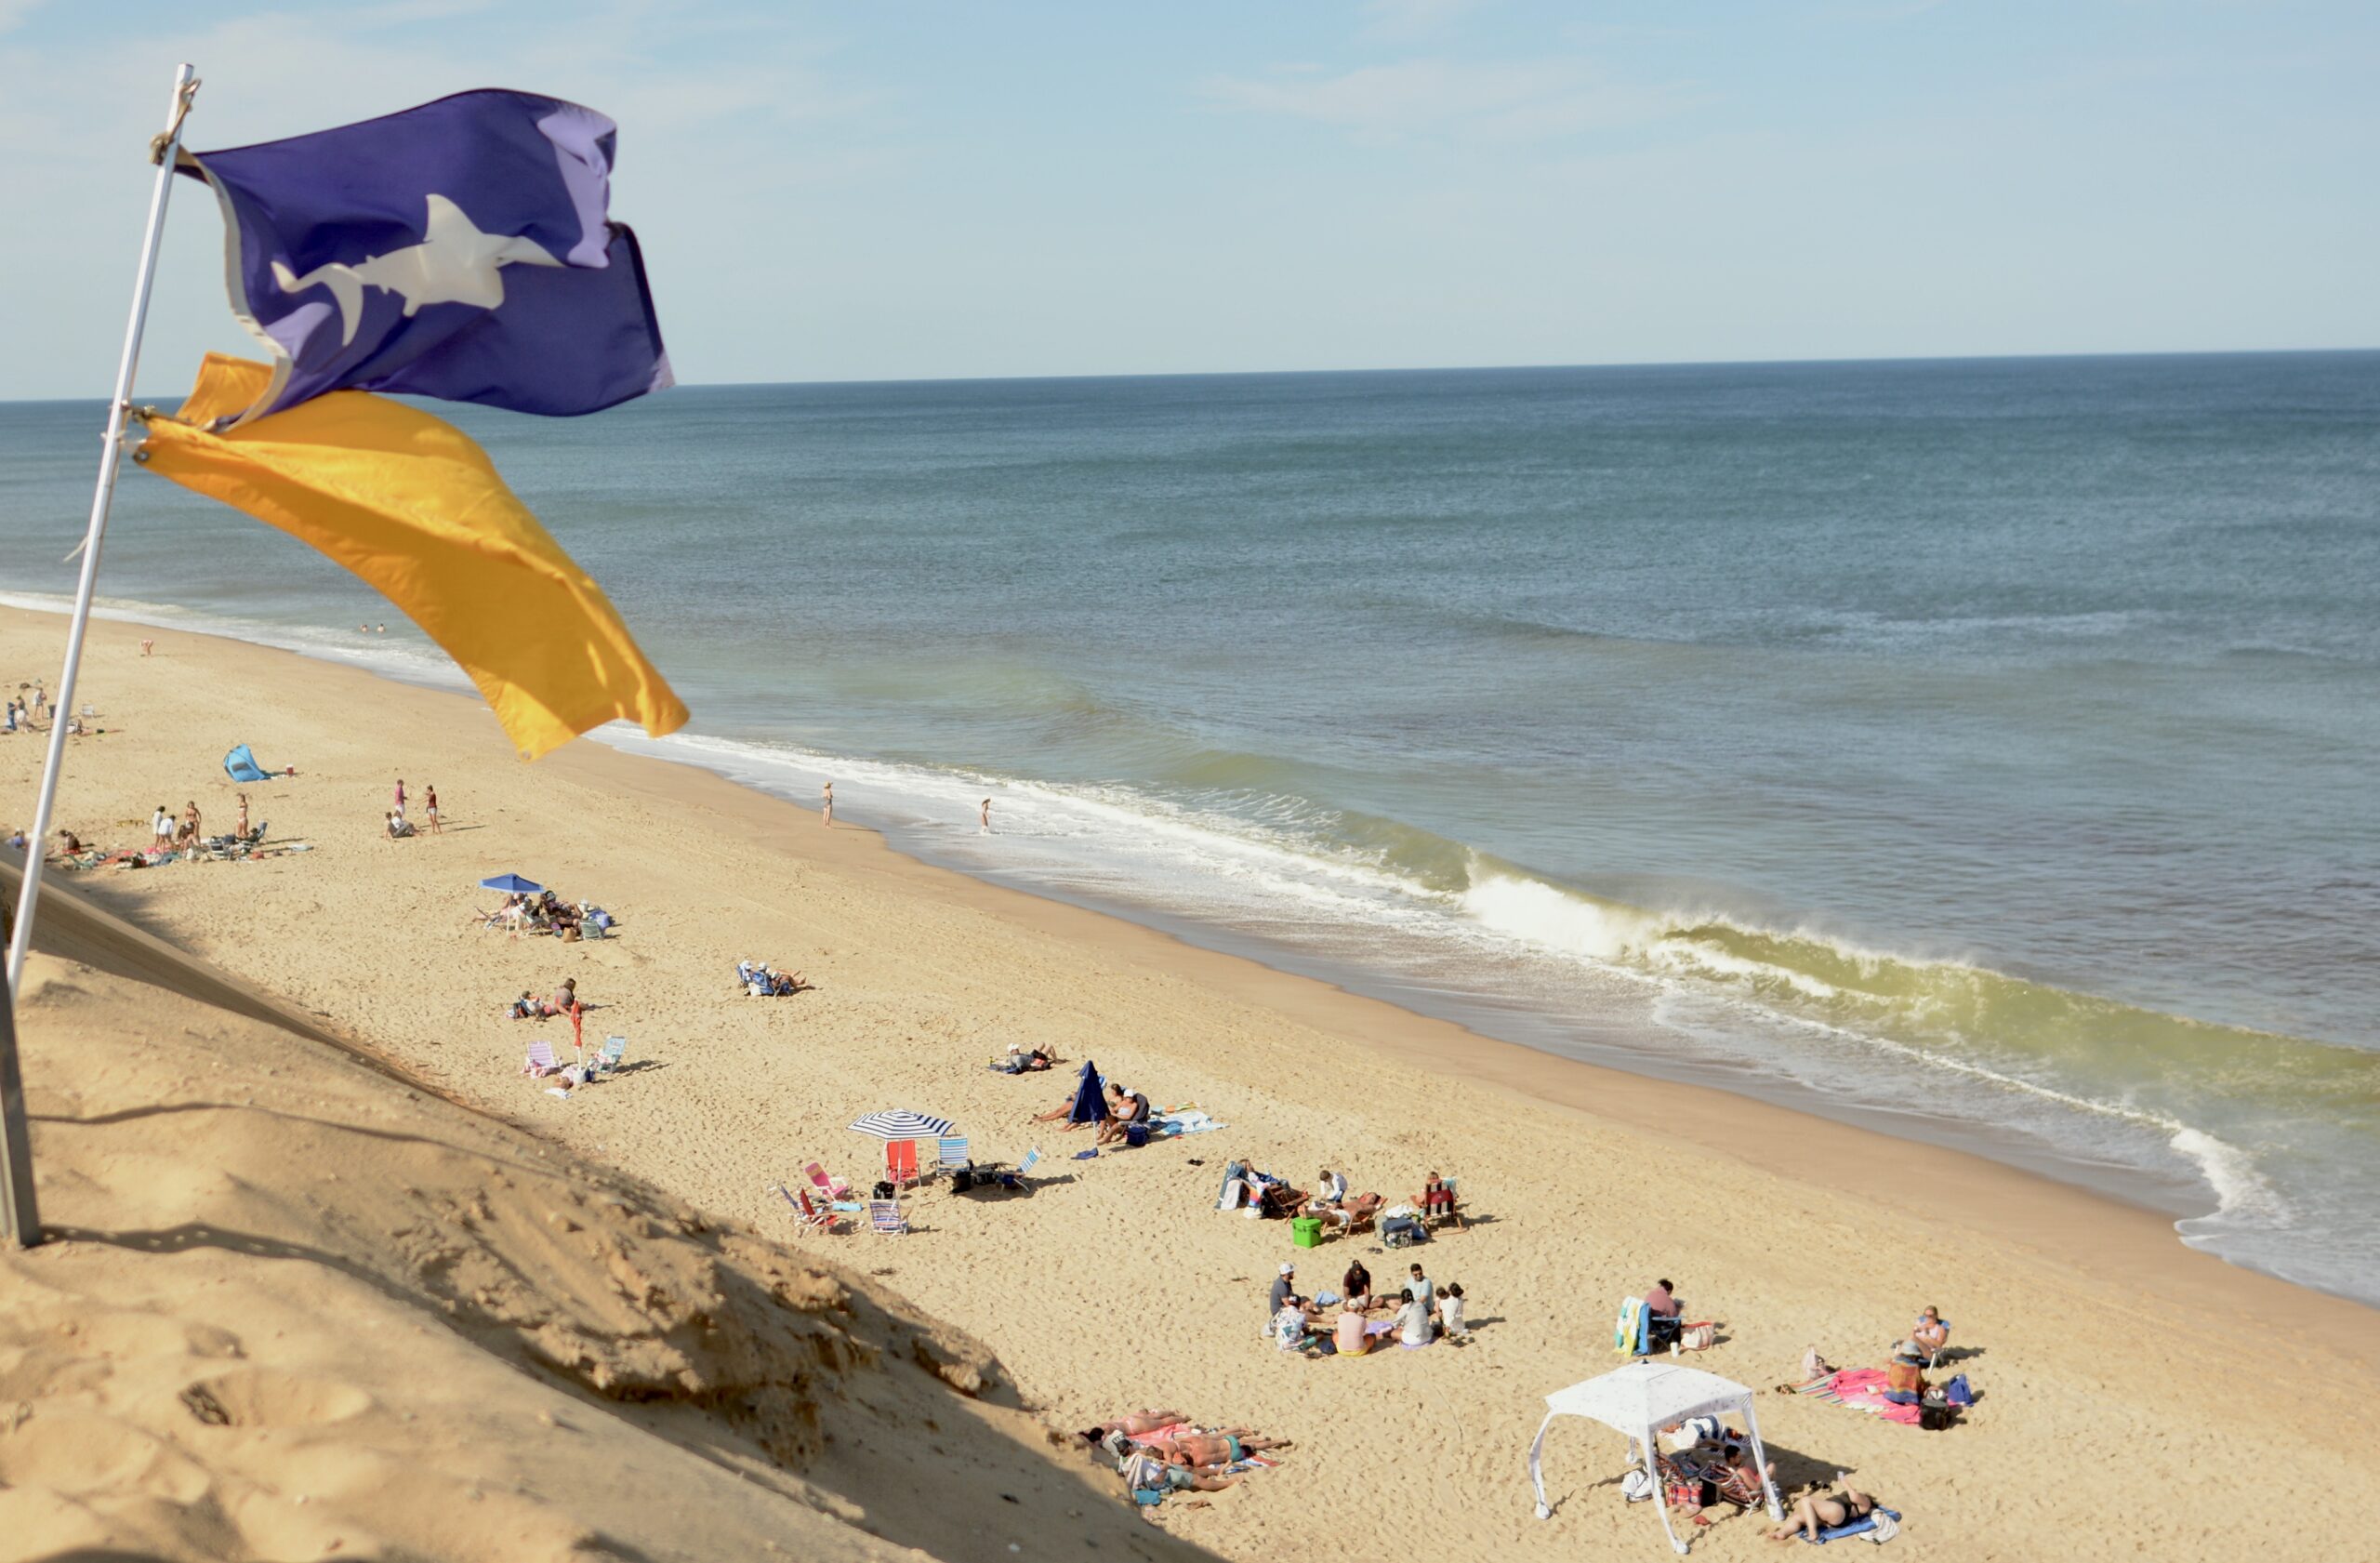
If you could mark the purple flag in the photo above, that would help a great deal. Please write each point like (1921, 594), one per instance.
(459, 250)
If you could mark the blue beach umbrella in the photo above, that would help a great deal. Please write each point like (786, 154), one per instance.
(900, 1123)
(1091, 1100)
(512, 884)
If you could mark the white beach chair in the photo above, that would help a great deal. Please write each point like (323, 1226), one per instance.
(884, 1218)
(541, 1060)
(955, 1155)
(1018, 1181)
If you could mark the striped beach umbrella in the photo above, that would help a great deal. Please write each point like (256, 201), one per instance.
(900, 1123)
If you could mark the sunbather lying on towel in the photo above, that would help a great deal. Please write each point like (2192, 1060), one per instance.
(526, 1008)
(1219, 1446)
(1150, 1478)
(1017, 1061)
(1814, 1512)
(1135, 1422)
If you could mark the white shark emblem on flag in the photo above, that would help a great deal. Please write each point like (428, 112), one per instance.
(454, 263)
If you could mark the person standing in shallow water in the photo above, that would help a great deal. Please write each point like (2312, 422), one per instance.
(826, 805)
(984, 820)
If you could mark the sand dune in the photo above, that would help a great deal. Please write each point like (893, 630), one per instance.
(292, 1308)
(2131, 1387)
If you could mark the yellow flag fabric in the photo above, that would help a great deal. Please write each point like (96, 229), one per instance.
(411, 504)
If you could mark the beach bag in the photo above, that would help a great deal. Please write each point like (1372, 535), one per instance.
(1698, 1337)
(963, 1179)
(1957, 1392)
(885, 1191)
(1136, 1135)
(1934, 1416)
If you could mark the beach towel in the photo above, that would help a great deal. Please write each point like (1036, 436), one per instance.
(1175, 1122)
(1863, 1390)
(1631, 1333)
(1884, 1523)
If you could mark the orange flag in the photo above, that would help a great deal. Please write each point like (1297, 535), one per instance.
(413, 506)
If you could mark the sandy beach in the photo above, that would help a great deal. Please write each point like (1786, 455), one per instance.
(2133, 1392)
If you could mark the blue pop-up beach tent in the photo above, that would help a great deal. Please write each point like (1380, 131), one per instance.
(243, 766)
(1091, 1100)
(511, 884)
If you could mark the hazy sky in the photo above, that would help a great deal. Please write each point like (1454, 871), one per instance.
(924, 188)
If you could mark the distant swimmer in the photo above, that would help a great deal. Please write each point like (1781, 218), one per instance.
(827, 808)
(984, 820)
(380, 629)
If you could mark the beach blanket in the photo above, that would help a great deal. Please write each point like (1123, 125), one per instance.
(1175, 1122)
(1863, 1390)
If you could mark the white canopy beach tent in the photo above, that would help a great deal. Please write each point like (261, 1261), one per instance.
(1639, 1401)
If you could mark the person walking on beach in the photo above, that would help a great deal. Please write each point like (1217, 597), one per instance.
(826, 805)
(429, 806)
(984, 820)
(401, 797)
(161, 830)
(146, 646)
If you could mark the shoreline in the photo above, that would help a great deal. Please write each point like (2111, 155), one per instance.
(2010, 1201)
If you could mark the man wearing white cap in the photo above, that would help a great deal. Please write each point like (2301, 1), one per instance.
(1283, 1288)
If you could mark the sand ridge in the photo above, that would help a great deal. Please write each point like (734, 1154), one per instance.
(293, 1310)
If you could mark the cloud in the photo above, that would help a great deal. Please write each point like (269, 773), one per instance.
(1414, 18)
(1523, 100)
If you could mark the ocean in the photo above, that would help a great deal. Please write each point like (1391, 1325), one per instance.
(1983, 752)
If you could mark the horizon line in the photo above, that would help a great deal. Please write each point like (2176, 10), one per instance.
(1445, 369)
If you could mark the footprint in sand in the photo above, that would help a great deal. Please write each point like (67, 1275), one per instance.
(263, 1397)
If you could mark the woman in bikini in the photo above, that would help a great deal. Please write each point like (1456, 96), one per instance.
(1813, 1513)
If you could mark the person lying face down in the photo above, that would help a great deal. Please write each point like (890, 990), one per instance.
(1132, 1423)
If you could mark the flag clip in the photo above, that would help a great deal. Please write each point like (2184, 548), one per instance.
(172, 133)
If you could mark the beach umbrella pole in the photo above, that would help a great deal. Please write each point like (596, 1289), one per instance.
(164, 149)
(18, 1211)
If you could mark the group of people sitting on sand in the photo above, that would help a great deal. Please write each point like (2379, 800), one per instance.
(544, 912)
(1412, 1313)
(759, 981)
(1159, 1452)
(1340, 1212)
(565, 1001)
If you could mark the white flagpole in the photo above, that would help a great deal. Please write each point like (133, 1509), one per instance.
(165, 149)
